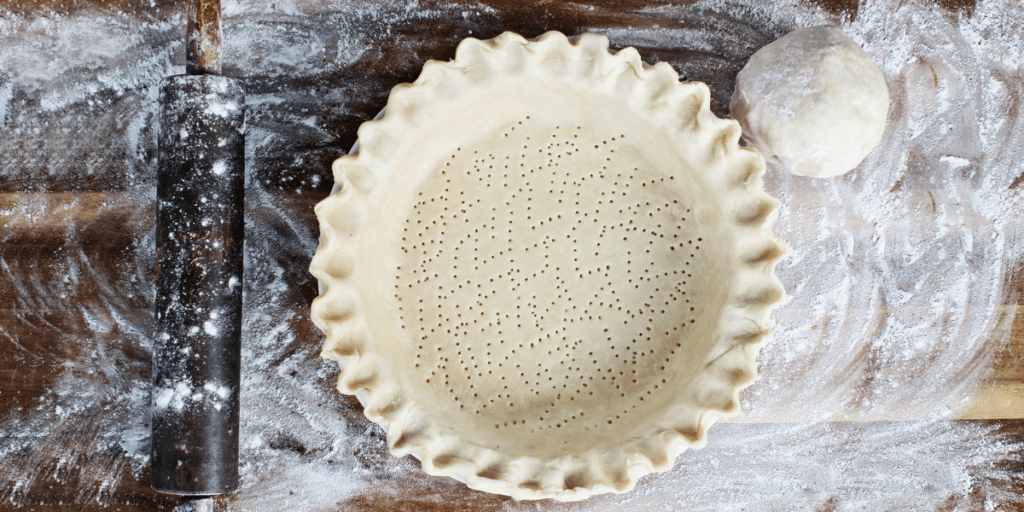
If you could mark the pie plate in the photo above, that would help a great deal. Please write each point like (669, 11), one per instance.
(548, 269)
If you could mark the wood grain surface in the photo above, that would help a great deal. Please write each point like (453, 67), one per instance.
(91, 216)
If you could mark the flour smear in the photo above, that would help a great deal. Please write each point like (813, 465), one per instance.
(895, 275)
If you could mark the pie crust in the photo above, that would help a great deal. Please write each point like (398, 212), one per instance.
(548, 269)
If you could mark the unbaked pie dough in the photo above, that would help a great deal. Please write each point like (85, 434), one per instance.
(548, 269)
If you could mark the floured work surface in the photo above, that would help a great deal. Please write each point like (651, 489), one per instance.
(904, 276)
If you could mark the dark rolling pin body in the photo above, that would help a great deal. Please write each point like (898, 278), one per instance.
(200, 230)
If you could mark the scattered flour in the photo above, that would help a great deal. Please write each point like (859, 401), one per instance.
(896, 272)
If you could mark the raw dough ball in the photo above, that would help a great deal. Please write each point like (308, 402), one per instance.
(812, 101)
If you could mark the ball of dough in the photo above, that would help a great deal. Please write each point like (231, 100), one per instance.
(812, 101)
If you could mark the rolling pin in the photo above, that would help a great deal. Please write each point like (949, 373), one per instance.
(199, 236)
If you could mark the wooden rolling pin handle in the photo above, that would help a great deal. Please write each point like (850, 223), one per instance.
(203, 41)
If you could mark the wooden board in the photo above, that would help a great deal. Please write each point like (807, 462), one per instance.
(80, 213)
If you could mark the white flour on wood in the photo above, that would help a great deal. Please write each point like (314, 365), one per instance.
(896, 273)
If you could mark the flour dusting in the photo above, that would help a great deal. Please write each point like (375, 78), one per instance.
(896, 270)
(896, 273)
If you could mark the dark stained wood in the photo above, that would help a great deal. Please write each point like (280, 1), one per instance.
(510, 8)
(1009, 366)
(1005, 385)
(92, 215)
(404, 497)
(51, 141)
(72, 484)
(47, 221)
